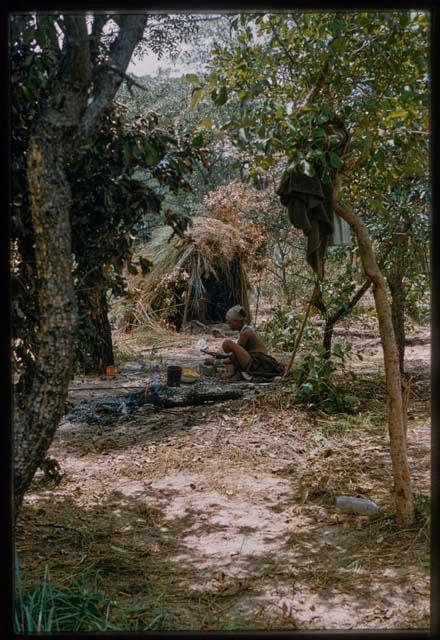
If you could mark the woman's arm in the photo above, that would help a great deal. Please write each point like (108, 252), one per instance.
(243, 338)
(216, 354)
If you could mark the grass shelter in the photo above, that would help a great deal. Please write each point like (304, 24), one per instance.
(195, 277)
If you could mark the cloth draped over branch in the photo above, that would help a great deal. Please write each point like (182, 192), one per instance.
(309, 206)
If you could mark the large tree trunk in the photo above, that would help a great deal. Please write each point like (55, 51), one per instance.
(42, 389)
(396, 419)
(41, 393)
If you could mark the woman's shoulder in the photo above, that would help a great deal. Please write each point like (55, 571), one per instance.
(247, 328)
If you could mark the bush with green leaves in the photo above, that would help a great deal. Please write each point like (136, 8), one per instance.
(279, 332)
(418, 298)
(312, 384)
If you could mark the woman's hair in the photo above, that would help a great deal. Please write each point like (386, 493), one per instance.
(236, 313)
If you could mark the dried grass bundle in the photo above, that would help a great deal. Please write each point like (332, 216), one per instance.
(180, 283)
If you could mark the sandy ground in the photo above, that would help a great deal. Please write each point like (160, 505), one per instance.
(228, 511)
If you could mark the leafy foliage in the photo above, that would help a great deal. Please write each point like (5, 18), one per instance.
(119, 177)
(279, 332)
(199, 125)
(313, 385)
(369, 68)
(336, 93)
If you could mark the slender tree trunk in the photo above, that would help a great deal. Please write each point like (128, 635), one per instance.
(40, 396)
(396, 419)
(284, 283)
(97, 353)
(328, 337)
(395, 279)
(395, 283)
(340, 313)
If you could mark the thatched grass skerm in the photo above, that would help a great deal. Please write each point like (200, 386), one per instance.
(197, 277)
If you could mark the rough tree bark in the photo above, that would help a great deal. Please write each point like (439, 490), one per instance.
(42, 390)
(100, 355)
(395, 281)
(396, 418)
(38, 412)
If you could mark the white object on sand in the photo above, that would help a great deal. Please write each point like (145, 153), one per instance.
(201, 344)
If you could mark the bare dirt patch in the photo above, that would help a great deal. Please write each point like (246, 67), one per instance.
(228, 510)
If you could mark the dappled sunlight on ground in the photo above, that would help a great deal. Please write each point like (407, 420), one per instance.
(228, 510)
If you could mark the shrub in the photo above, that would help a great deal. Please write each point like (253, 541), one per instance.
(312, 384)
(279, 332)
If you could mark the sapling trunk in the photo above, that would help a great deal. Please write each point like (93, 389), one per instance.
(396, 418)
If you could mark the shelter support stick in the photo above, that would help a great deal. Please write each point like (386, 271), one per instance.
(258, 296)
(186, 309)
(301, 331)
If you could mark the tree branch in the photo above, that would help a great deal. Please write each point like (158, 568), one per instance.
(99, 22)
(285, 49)
(314, 91)
(76, 46)
(130, 82)
(107, 82)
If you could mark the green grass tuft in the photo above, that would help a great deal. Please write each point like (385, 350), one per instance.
(45, 608)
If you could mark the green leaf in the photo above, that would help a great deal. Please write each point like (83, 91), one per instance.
(337, 45)
(197, 95)
(264, 162)
(242, 135)
(401, 113)
(307, 387)
(151, 154)
(198, 141)
(126, 153)
(334, 160)
(192, 78)
(222, 96)
(206, 123)
(319, 133)
(29, 36)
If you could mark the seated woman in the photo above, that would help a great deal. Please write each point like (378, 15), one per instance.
(248, 354)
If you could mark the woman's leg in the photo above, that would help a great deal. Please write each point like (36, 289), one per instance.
(240, 358)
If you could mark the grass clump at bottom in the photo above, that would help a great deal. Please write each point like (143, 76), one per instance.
(81, 608)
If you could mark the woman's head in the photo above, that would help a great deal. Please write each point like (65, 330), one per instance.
(236, 317)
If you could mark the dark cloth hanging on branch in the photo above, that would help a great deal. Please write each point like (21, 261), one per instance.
(309, 206)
